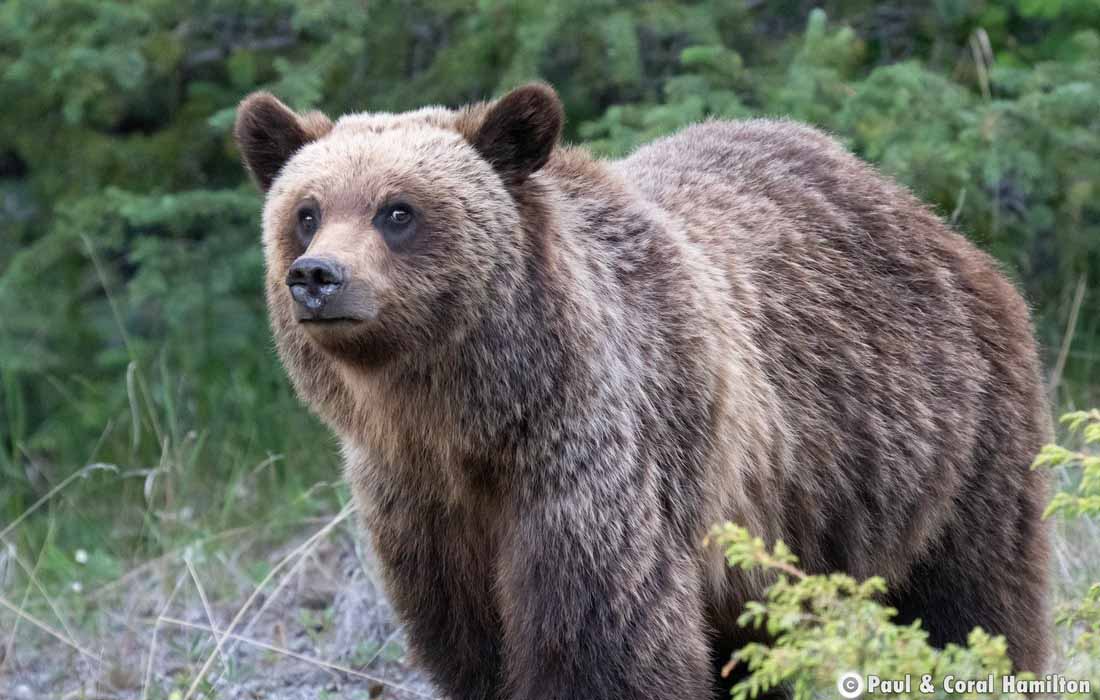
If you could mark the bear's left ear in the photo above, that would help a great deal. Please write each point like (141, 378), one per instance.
(268, 133)
(520, 131)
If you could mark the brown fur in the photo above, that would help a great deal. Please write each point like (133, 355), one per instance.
(578, 366)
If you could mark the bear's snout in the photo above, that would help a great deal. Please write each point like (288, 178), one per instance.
(316, 285)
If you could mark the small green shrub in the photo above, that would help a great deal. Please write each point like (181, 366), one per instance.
(1081, 500)
(825, 626)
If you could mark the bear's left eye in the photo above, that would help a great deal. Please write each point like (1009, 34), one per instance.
(309, 220)
(396, 223)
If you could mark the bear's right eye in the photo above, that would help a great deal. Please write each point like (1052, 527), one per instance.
(309, 220)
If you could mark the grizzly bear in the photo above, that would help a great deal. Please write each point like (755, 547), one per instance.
(550, 374)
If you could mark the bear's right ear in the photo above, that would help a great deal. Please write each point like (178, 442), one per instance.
(268, 133)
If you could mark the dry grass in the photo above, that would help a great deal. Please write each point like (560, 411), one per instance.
(195, 623)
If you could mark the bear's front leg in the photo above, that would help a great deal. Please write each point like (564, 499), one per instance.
(598, 602)
(439, 577)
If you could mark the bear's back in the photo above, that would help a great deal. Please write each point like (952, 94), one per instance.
(893, 345)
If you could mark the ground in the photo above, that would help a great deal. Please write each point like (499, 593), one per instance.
(303, 602)
(320, 627)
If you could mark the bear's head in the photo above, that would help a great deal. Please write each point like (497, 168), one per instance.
(388, 234)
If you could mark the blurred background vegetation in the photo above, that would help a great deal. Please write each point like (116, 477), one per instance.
(132, 324)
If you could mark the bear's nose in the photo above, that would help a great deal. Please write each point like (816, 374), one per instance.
(313, 281)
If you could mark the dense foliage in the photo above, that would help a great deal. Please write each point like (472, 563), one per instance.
(132, 328)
